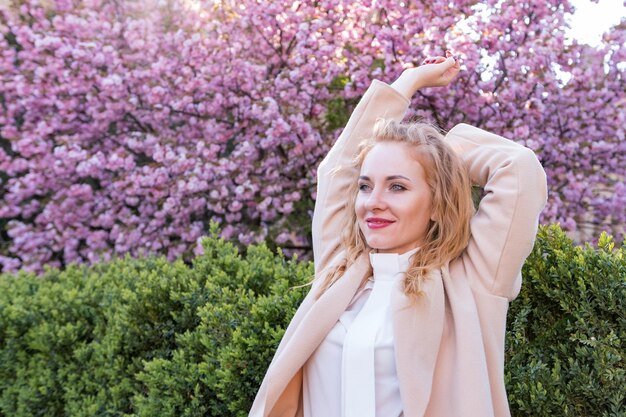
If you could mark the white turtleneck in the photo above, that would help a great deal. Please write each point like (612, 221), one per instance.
(352, 373)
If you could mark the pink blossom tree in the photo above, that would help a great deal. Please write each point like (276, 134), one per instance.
(127, 127)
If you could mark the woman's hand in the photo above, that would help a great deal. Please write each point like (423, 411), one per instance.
(441, 73)
(436, 71)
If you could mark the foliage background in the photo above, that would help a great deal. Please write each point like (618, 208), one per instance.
(127, 126)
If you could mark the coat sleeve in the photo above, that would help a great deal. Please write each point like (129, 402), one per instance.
(333, 182)
(504, 227)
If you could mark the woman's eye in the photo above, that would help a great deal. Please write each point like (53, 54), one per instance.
(364, 187)
(398, 187)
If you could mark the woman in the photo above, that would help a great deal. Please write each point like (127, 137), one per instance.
(407, 314)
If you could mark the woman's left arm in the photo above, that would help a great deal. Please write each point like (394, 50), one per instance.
(504, 228)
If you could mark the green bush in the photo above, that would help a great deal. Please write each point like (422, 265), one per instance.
(144, 337)
(566, 336)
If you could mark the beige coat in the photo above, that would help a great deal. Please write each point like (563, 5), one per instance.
(450, 345)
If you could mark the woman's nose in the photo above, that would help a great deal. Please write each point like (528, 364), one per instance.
(375, 201)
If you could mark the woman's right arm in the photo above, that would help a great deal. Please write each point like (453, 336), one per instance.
(379, 101)
(333, 174)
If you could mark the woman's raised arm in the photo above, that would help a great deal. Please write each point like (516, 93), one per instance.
(333, 182)
(334, 176)
(503, 229)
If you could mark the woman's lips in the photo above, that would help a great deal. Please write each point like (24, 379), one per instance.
(377, 223)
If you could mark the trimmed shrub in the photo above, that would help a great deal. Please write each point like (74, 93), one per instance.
(219, 364)
(145, 337)
(566, 335)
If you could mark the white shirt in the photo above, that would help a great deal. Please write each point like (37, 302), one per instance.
(352, 373)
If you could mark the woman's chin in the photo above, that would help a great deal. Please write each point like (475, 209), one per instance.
(379, 246)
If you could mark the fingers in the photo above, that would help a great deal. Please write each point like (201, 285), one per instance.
(433, 60)
(439, 59)
(446, 63)
(451, 62)
(438, 71)
(450, 55)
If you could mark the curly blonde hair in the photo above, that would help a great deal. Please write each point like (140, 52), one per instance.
(452, 207)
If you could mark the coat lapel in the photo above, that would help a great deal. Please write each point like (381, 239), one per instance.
(313, 328)
(418, 328)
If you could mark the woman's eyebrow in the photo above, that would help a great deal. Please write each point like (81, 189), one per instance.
(397, 177)
(389, 178)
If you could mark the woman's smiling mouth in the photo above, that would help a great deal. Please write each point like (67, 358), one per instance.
(377, 222)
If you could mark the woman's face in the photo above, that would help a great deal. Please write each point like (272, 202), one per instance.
(393, 203)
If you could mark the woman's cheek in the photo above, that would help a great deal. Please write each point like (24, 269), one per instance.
(358, 208)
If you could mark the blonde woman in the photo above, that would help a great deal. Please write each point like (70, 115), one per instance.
(407, 314)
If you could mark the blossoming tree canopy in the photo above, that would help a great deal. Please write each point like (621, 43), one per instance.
(127, 127)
